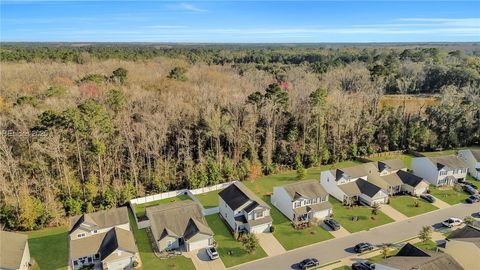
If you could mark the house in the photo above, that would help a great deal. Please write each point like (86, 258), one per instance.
(302, 201)
(410, 183)
(350, 186)
(14, 251)
(179, 226)
(440, 171)
(102, 239)
(243, 210)
(411, 257)
(464, 246)
(472, 159)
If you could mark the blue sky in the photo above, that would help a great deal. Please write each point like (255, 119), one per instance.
(239, 21)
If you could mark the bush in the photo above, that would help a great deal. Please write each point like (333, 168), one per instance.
(272, 229)
(55, 91)
(24, 100)
(135, 264)
(178, 73)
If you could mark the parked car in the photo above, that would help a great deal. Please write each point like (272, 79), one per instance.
(470, 190)
(363, 265)
(452, 222)
(362, 247)
(473, 198)
(428, 198)
(471, 184)
(332, 223)
(212, 253)
(309, 263)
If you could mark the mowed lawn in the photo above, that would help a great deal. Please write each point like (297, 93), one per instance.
(231, 251)
(344, 215)
(49, 247)
(209, 199)
(140, 208)
(440, 153)
(406, 205)
(149, 260)
(448, 195)
(291, 238)
(407, 159)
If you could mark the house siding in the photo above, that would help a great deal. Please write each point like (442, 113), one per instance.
(424, 168)
(473, 164)
(227, 213)
(327, 180)
(282, 202)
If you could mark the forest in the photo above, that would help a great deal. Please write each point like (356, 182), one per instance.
(84, 128)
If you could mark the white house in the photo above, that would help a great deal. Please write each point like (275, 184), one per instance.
(440, 171)
(14, 251)
(302, 201)
(472, 159)
(243, 210)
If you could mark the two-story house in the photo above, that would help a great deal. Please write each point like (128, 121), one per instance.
(302, 201)
(243, 210)
(440, 171)
(14, 251)
(102, 239)
(472, 158)
(179, 226)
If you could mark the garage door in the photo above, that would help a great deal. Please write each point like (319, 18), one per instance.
(260, 228)
(321, 214)
(198, 244)
(419, 191)
(120, 264)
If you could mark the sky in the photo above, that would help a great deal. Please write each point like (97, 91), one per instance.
(239, 21)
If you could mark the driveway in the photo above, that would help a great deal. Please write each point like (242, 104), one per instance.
(202, 262)
(440, 204)
(338, 233)
(339, 248)
(392, 212)
(270, 244)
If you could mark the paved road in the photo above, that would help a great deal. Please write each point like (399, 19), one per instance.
(336, 249)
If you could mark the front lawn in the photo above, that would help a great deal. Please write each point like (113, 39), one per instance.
(140, 208)
(231, 251)
(405, 204)
(209, 199)
(291, 238)
(49, 247)
(149, 260)
(448, 194)
(344, 215)
(407, 159)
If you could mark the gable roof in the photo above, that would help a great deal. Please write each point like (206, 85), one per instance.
(101, 219)
(180, 219)
(476, 154)
(104, 243)
(468, 233)
(391, 165)
(12, 246)
(367, 188)
(404, 177)
(350, 172)
(237, 194)
(450, 161)
(306, 189)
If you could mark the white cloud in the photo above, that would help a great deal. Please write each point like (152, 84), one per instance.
(191, 7)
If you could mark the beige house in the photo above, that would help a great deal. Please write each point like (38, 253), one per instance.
(464, 246)
(179, 226)
(14, 252)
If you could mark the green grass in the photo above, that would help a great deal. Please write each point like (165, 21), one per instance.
(449, 195)
(428, 246)
(440, 153)
(149, 260)
(344, 216)
(49, 247)
(140, 208)
(407, 159)
(405, 205)
(209, 199)
(343, 268)
(291, 238)
(226, 244)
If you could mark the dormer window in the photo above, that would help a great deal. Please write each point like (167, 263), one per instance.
(95, 231)
(258, 214)
(80, 235)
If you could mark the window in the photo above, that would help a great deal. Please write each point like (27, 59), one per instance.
(96, 256)
(80, 235)
(258, 214)
(95, 231)
(169, 243)
(297, 204)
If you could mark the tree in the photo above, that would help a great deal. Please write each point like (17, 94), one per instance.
(250, 242)
(385, 250)
(469, 220)
(375, 208)
(119, 75)
(425, 233)
(178, 73)
(301, 173)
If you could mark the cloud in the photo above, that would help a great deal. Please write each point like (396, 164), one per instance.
(469, 22)
(191, 7)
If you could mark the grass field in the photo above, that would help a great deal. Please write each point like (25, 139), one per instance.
(209, 199)
(344, 216)
(449, 195)
(406, 205)
(49, 247)
(440, 153)
(140, 208)
(231, 251)
(407, 159)
(412, 103)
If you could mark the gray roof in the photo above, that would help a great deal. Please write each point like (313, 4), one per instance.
(467, 234)
(101, 219)
(450, 161)
(350, 172)
(12, 246)
(104, 243)
(476, 154)
(403, 177)
(180, 219)
(305, 189)
(237, 194)
(312, 208)
(411, 257)
(351, 189)
(258, 221)
(391, 165)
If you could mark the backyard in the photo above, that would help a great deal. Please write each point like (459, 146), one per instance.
(231, 251)
(448, 194)
(406, 205)
(49, 247)
(407, 159)
(209, 199)
(140, 208)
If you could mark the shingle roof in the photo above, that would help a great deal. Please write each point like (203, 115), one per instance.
(350, 172)
(403, 177)
(467, 234)
(12, 246)
(450, 161)
(306, 189)
(101, 219)
(391, 165)
(476, 154)
(237, 194)
(367, 188)
(351, 189)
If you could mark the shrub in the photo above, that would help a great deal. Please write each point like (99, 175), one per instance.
(27, 100)
(55, 91)
(135, 264)
(95, 78)
(178, 73)
(272, 229)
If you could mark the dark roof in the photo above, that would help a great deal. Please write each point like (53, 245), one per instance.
(468, 233)
(450, 161)
(251, 206)
(367, 188)
(238, 194)
(409, 178)
(306, 189)
(411, 251)
(12, 247)
(101, 219)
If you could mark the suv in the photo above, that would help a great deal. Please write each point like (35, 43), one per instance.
(472, 185)
(332, 223)
(212, 253)
(452, 222)
(469, 189)
(428, 198)
(309, 263)
(473, 198)
(362, 247)
(363, 265)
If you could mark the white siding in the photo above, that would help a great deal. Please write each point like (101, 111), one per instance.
(203, 243)
(473, 164)
(322, 214)
(327, 180)
(424, 168)
(124, 263)
(260, 228)
(381, 197)
(226, 213)
(282, 202)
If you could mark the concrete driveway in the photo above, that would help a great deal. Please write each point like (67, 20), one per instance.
(270, 244)
(440, 204)
(202, 262)
(338, 233)
(392, 212)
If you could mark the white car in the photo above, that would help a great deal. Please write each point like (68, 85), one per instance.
(212, 253)
(452, 222)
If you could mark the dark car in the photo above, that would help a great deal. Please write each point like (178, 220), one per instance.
(428, 198)
(470, 184)
(332, 223)
(309, 263)
(362, 247)
(470, 190)
(363, 265)
(473, 198)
